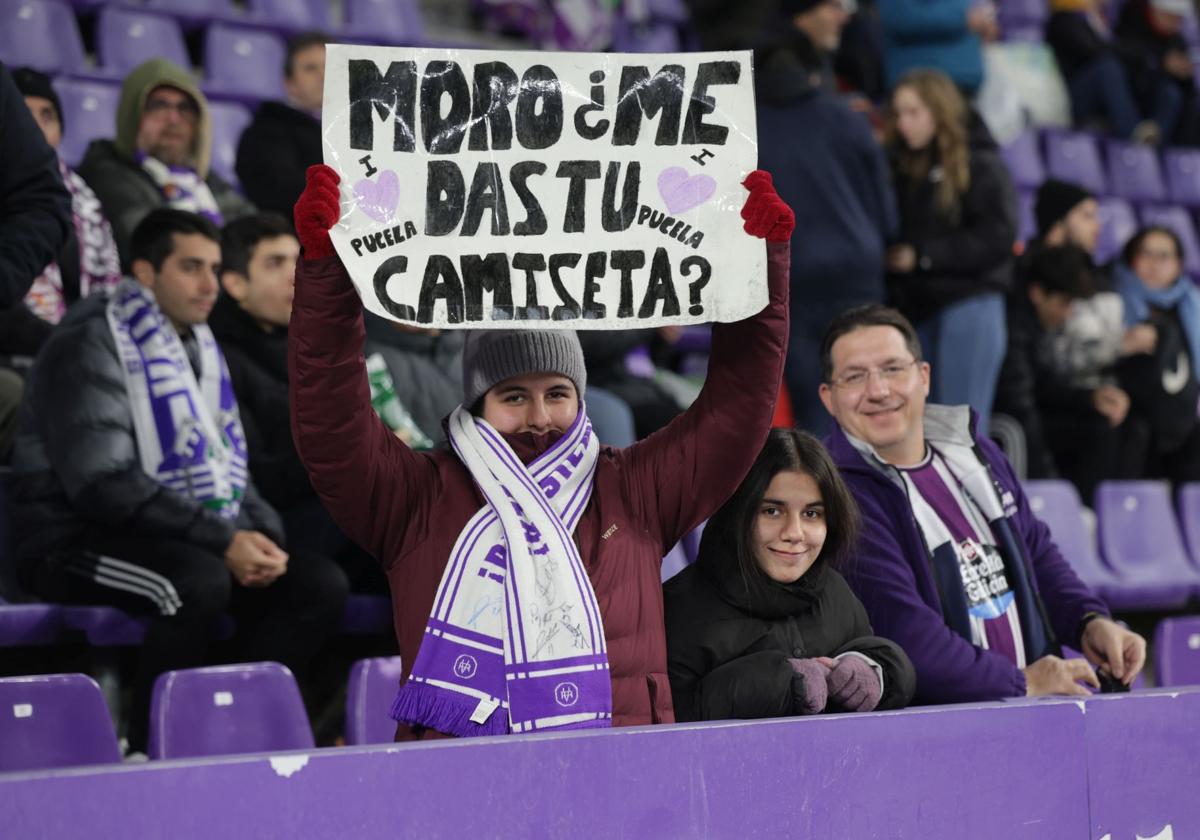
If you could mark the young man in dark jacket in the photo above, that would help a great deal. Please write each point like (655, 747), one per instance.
(952, 564)
(133, 492)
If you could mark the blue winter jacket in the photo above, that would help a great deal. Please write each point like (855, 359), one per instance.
(931, 33)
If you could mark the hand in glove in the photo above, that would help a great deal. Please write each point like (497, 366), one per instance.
(766, 215)
(317, 210)
(854, 684)
(810, 692)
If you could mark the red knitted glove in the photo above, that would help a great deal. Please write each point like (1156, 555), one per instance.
(317, 210)
(766, 215)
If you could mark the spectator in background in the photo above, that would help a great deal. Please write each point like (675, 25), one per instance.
(1150, 36)
(88, 262)
(284, 139)
(35, 220)
(817, 25)
(829, 169)
(953, 260)
(134, 492)
(1073, 431)
(859, 59)
(160, 156)
(945, 35)
(762, 624)
(951, 563)
(1098, 80)
(1163, 384)
(722, 25)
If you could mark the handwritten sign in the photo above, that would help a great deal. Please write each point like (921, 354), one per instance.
(511, 189)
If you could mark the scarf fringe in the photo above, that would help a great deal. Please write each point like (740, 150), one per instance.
(419, 704)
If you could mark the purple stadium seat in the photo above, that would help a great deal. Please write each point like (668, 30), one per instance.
(651, 36)
(244, 64)
(1118, 223)
(226, 710)
(1183, 175)
(55, 720)
(1057, 504)
(691, 541)
(28, 624)
(127, 37)
(1177, 651)
(675, 562)
(1024, 160)
(369, 694)
(42, 34)
(194, 13)
(1188, 508)
(1026, 219)
(367, 615)
(1022, 32)
(1133, 172)
(1140, 541)
(106, 626)
(1178, 220)
(89, 113)
(228, 122)
(1073, 156)
(291, 15)
(1026, 11)
(384, 21)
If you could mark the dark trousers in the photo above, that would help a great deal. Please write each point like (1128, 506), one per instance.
(1088, 450)
(183, 589)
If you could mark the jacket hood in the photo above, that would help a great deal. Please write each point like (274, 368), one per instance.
(945, 424)
(146, 77)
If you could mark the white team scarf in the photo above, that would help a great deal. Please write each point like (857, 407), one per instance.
(189, 435)
(515, 642)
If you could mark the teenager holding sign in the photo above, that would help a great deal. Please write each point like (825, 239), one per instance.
(525, 563)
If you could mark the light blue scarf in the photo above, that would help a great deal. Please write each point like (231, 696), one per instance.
(1182, 296)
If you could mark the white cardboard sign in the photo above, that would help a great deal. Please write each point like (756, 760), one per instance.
(528, 189)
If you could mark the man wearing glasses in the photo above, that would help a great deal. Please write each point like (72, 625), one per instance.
(952, 564)
(160, 156)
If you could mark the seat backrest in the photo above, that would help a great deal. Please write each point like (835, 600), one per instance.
(1057, 504)
(228, 123)
(244, 61)
(42, 34)
(1179, 220)
(1137, 531)
(1118, 224)
(1177, 651)
(1075, 157)
(226, 710)
(193, 8)
(293, 15)
(1133, 172)
(1024, 160)
(89, 113)
(394, 21)
(54, 720)
(369, 694)
(1183, 175)
(126, 37)
(1189, 518)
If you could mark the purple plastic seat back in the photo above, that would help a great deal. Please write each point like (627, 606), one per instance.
(226, 710)
(1139, 537)
(1074, 157)
(1024, 160)
(369, 695)
(389, 21)
(126, 38)
(1189, 519)
(691, 541)
(1133, 172)
(1026, 218)
(1057, 504)
(292, 15)
(28, 624)
(55, 720)
(243, 63)
(106, 626)
(1177, 651)
(1118, 223)
(192, 12)
(653, 36)
(1180, 221)
(42, 34)
(1183, 175)
(89, 113)
(674, 562)
(1026, 11)
(228, 123)
(1023, 32)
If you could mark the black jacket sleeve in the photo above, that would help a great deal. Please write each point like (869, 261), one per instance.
(35, 207)
(269, 166)
(899, 675)
(758, 685)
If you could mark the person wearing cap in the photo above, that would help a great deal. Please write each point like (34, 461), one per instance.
(87, 264)
(525, 561)
(1149, 35)
(161, 155)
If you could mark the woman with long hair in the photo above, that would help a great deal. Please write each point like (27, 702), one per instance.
(953, 260)
(763, 625)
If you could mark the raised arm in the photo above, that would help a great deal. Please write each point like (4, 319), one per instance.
(678, 476)
(367, 478)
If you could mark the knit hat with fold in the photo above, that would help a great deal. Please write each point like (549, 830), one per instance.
(492, 356)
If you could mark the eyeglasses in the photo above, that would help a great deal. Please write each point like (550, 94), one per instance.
(1156, 255)
(856, 380)
(186, 108)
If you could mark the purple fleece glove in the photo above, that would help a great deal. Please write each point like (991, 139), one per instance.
(815, 678)
(854, 685)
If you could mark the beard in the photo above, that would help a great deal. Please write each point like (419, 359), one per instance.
(172, 154)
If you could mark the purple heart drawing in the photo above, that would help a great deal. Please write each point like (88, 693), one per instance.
(378, 198)
(683, 192)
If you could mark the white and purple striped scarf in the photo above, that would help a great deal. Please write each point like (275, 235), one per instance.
(515, 625)
(189, 435)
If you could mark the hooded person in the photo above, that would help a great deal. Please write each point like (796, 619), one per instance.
(161, 155)
(525, 561)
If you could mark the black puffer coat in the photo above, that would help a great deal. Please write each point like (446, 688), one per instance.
(728, 646)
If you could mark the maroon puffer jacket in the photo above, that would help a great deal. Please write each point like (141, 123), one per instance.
(408, 508)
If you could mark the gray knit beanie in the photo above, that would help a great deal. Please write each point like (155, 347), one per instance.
(491, 356)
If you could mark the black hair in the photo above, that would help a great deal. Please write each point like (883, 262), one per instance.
(298, 44)
(153, 239)
(870, 315)
(786, 450)
(240, 237)
(1135, 243)
(1062, 269)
